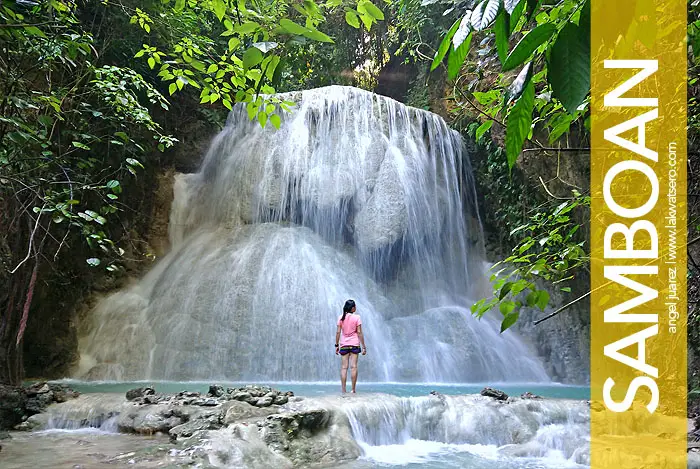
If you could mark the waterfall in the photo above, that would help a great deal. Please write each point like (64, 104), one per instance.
(355, 196)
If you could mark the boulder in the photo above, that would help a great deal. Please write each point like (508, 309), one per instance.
(280, 399)
(132, 394)
(309, 437)
(265, 401)
(216, 391)
(12, 406)
(494, 393)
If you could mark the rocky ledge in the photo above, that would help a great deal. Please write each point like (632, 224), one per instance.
(18, 403)
(256, 425)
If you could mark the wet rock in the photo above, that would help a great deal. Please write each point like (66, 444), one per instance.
(39, 402)
(12, 403)
(529, 395)
(139, 392)
(5, 435)
(26, 426)
(237, 411)
(216, 391)
(494, 393)
(148, 423)
(38, 388)
(280, 399)
(309, 437)
(188, 429)
(265, 401)
(205, 402)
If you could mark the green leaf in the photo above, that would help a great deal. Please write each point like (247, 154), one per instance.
(518, 123)
(367, 20)
(506, 307)
(352, 19)
(317, 35)
(134, 162)
(501, 30)
(371, 9)
(569, 68)
(262, 118)
(179, 5)
(219, 9)
(485, 13)
(560, 125)
(122, 135)
(82, 146)
(532, 6)
(542, 299)
(444, 46)
(34, 31)
(93, 261)
(509, 320)
(566, 289)
(483, 128)
(172, 88)
(233, 43)
(505, 290)
(114, 186)
(457, 56)
(515, 16)
(527, 45)
(291, 27)
(252, 57)
(584, 20)
(531, 298)
(151, 62)
(276, 121)
(248, 27)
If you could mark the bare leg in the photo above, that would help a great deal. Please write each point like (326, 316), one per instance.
(344, 371)
(353, 368)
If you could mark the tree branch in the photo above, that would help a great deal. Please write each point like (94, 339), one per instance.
(557, 149)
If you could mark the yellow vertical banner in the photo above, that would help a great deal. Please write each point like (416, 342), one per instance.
(638, 234)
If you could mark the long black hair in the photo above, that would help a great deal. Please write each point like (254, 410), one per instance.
(349, 305)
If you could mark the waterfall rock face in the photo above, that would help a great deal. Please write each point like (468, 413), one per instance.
(355, 196)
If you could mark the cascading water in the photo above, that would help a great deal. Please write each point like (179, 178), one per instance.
(556, 430)
(355, 196)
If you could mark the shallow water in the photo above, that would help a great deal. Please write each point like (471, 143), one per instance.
(93, 449)
(551, 390)
(84, 448)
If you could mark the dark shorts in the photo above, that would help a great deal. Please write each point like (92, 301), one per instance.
(350, 349)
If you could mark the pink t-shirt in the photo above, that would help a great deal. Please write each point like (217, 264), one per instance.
(349, 329)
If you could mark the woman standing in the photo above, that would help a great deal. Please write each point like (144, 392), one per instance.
(350, 324)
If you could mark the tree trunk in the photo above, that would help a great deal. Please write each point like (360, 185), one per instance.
(11, 369)
(16, 291)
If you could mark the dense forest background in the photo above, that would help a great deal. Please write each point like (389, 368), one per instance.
(101, 100)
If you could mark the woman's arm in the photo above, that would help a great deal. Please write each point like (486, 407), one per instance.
(362, 339)
(337, 340)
